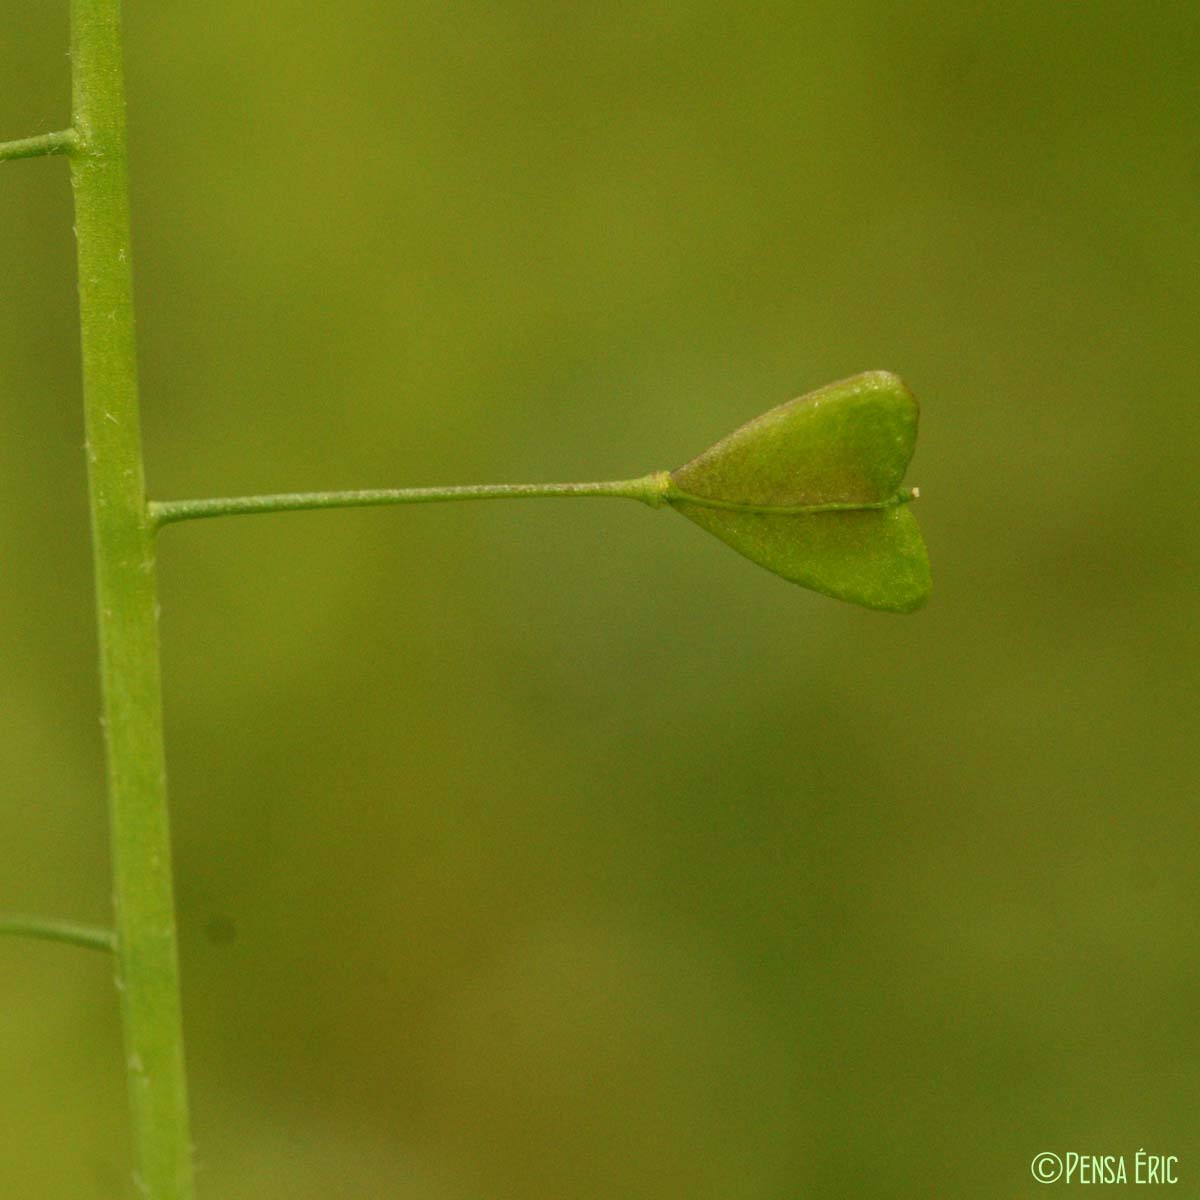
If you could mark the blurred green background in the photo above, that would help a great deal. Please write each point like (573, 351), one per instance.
(555, 851)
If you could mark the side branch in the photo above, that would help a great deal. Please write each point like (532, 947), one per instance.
(649, 489)
(51, 930)
(65, 141)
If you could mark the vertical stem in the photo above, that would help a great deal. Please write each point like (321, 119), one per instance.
(126, 591)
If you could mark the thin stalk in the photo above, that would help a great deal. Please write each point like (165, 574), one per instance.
(62, 142)
(127, 609)
(49, 929)
(649, 489)
(655, 490)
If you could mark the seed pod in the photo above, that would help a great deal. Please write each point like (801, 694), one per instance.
(812, 491)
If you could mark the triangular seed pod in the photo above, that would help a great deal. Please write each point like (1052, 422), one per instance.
(812, 491)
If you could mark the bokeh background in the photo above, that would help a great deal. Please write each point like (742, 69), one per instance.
(553, 850)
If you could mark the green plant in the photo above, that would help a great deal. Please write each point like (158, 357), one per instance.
(811, 490)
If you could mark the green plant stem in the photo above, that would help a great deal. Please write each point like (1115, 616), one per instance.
(649, 489)
(51, 930)
(62, 142)
(655, 490)
(127, 607)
